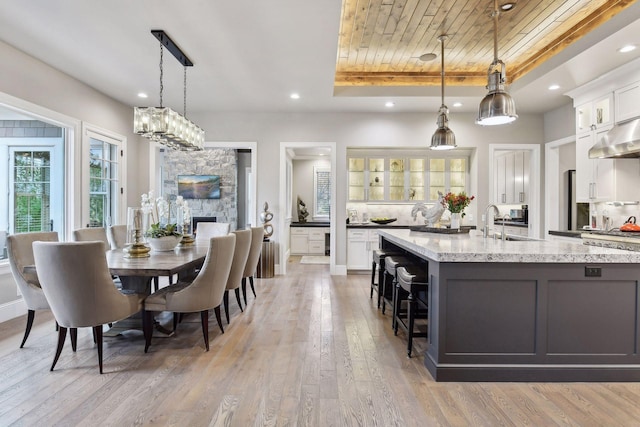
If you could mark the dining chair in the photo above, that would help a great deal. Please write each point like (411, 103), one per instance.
(240, 254)
(20, 252)
(117, 236)
(92, 234)
(257, 236)
(207, 230)
(205, 292)
(75, 279)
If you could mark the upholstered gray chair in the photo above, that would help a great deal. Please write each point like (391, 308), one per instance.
(207, 230)
(205, 292)
(92, 234)
(117, 236)
(75, 279)
(240, 254)
(257, 235)
(20, 254)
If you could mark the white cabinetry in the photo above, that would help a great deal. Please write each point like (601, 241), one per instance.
(595, 115)
(512, 177)
(308, 240)
(360, 246)
(627, 105)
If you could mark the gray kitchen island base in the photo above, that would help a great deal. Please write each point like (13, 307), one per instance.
(530, 321)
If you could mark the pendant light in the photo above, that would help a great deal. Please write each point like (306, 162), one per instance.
(497, 107)
(443, 138)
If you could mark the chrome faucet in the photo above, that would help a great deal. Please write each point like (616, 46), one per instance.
(504, 218)
(496, 211)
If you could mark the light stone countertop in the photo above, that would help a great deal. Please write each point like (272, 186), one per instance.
(472, 247)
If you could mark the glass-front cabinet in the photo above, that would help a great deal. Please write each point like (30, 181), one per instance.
(409, 178)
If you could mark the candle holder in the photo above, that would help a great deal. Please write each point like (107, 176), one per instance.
(185, 225)
(136, 247)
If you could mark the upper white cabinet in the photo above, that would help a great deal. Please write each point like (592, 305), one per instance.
(512, 177)
(594, 115)
(627, 102)
(405, 178)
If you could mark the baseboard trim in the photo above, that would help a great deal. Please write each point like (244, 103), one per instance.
(12, 309)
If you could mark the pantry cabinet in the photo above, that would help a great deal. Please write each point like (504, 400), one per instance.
(512, 177)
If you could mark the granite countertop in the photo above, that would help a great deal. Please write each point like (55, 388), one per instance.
(311, 224)
(473, 247)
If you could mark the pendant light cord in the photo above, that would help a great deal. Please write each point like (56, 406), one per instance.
(184, 111)
(496, 13)
(442, 38)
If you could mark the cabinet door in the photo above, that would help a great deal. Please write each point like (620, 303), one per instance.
(376, 180)
(299, 244)
(509, 173)
(358, 255)
(416, 179)
(396, 179)
(501, 180)
(356, 180)
(627, 105)
(521, 176)
(584, 168)
(604, 174)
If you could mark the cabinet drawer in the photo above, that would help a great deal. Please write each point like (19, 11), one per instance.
(316, 247)
(316, 235)
(358, 235)
(299, 231)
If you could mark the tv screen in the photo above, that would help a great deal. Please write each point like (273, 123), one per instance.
(199, 186)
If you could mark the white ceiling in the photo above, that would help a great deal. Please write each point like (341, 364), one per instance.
(250, 55)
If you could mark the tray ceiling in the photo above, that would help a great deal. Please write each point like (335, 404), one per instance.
(380, 41)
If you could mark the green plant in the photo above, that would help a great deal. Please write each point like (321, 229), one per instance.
(159, 211)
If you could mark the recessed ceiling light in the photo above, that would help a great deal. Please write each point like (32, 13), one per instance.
(142, 95)
(457, 104)
(389, 104)
(554, 87)
(427, 57)
(627, 48)
(295, 96)
(507, 6)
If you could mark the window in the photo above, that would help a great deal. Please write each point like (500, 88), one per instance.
(321, 192)
(104, 178)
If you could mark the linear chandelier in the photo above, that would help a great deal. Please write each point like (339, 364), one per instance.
(162, 124)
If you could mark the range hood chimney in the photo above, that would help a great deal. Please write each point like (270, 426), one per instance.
(622, 141)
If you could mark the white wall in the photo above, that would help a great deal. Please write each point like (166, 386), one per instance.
(360, 130)
(560, 123)
(303, 184)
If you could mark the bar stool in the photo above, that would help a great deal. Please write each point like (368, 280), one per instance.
(391, 263)
(378, 266)
(413, 283)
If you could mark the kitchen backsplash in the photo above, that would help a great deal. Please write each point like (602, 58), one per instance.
(617, 214)
(401, 211)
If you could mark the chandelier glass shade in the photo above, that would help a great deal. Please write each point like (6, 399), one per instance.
(443, 138)
(162, 124)
(497, 107)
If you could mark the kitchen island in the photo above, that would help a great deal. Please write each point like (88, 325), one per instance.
(527, 310)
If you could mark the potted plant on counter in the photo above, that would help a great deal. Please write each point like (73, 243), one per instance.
(456, 203)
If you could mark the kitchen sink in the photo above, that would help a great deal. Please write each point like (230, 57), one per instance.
(516, 238)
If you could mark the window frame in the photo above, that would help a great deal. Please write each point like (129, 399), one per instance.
(317, 214)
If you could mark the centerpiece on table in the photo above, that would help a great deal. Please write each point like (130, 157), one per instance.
(161, 234)
(456, 203)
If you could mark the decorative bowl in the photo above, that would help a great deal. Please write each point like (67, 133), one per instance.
(383, 220)
(165, 243)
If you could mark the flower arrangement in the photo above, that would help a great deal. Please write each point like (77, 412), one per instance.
(159, 211)
(456, 203)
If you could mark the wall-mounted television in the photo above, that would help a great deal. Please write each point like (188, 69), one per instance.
(199, 186)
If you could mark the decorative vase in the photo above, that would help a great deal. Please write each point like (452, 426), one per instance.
(455, 220)
(164, 244)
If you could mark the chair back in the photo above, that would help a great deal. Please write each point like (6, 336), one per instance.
(240, 254)
(20, 252)
(207, 230)
(75, 279)
(257, 235)
(92, 234)
(207, 289)
(117, 236)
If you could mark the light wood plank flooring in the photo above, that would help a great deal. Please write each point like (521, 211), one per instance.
(311, 350)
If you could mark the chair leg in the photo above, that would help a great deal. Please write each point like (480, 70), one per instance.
(147, 328)
(244, 290)
(95, 339)
(238, 299)
(252, 288)
(74, 338)
(373, 278)
(216, 310)
(97, 330)
(62, 334)
(176, 318)
(31, 314)
(411, 312)
(225, 301)
(204, 317)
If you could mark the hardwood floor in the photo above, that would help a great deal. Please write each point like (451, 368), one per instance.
(311, 350)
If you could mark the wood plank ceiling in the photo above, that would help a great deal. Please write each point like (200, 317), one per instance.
(380, 41)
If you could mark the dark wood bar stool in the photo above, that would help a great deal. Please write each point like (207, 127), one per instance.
(413, 286)
(391, 263)
(377, 269)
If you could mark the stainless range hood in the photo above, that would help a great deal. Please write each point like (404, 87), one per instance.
(622, 141)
